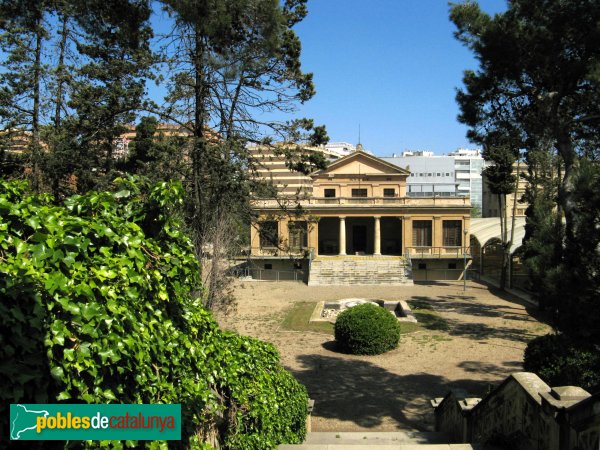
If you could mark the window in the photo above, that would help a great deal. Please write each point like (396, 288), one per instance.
(298, 231)
(391, 192)
(421, 233)
(451, 266)
(269, 236)
(329, 193)
(268, 266)
(451, 231)
(359, 192)
(447, 174)
(422, 266)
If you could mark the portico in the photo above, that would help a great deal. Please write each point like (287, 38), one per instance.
(360, 235)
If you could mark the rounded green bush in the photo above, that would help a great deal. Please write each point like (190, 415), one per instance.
(562, 361)
(367, 330)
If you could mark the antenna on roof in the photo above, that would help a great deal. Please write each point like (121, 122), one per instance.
(359, 134)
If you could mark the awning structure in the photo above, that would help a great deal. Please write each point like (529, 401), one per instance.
(485, 229)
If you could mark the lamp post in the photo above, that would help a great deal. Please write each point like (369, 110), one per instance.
(465, 260)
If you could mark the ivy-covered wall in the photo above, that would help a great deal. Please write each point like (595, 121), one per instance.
(100, 304)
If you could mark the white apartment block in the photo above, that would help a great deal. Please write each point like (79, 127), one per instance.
(340, 148)
(468, 166)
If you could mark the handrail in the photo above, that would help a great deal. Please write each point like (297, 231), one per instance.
(443, 251)
(408, 201)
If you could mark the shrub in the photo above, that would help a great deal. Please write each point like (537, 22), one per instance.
(561, 361)
(366, 330)
(100, 305)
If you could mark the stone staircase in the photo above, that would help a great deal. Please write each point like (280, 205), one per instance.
(357, 270)
(398, 440)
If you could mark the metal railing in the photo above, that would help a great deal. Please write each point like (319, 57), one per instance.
(269, 274)
(406, 201)
(438, 252)
(444, 275)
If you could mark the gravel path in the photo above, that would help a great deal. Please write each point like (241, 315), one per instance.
(484, 343)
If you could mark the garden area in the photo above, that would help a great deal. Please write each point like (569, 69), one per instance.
(468, 341)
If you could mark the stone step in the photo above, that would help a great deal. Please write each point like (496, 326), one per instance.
(392, 272)
(408, 446)
(381, 437)
(399, 440)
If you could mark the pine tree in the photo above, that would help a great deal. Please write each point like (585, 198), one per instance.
(234, 62)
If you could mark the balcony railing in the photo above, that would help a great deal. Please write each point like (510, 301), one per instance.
(438, 252)
(394, 201)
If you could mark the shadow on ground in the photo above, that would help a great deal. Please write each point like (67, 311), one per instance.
(365, 394)
(493, 369)
(464, 316)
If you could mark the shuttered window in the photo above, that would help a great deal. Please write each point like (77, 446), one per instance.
(452, 230)
(421, 233)
(269, 237)
(298, 231)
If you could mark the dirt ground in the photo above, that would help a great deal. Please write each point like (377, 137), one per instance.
(487, 333)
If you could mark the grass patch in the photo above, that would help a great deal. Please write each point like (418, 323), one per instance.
(408, 327)
(419, 304)
(297, 319)
(430, 320)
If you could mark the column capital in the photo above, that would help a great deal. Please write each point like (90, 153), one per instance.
(377, 217)
(342, 217)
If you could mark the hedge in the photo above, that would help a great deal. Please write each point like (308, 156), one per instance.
(100, 305)
(562, 361)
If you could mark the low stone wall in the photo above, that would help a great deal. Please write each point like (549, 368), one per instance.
(523, 413)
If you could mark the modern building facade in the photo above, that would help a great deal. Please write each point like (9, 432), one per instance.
(271, 166)
(468, 168)
(457, 174)
(429, 176)
(359, 210)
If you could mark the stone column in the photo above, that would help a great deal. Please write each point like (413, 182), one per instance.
(342, 236)
(377, 241)
(313, 236)
(406, 233)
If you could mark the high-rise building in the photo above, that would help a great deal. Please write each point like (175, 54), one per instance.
(271, 166)
(468, 166)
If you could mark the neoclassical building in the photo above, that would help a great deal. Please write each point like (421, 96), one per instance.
(359, 226)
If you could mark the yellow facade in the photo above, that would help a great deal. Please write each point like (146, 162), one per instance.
(359, 207)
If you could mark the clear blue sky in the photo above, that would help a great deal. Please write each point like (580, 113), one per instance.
(391, 65)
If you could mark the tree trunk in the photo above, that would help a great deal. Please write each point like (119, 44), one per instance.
(503, 238)
(60, 72)
(514, 219)
(199, 148)
(35, 119)
(566, 188)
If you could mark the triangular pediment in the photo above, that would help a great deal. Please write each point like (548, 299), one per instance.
(360, 163)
